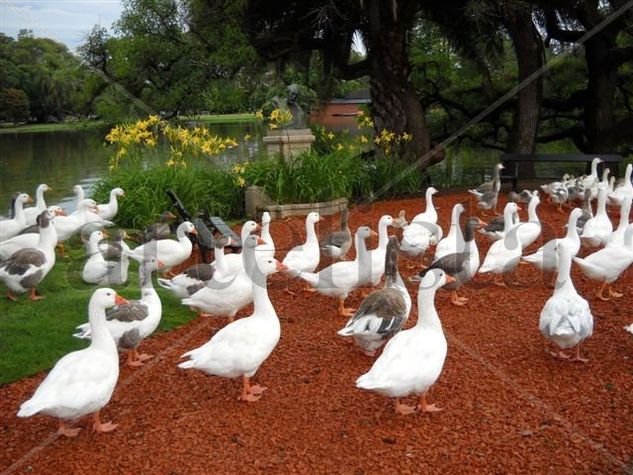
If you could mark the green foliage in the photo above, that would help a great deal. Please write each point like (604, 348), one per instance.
(203, 186)
(14, 105)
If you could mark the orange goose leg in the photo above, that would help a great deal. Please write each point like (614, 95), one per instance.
(103, 426)
(423, 405)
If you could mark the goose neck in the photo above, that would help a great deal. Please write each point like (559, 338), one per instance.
(563, 279)
(261, 301)
(427, 314)
(48, 237)
(532, 216)
(40, 203)
(602, 202)
(100, 336)
(310, 232)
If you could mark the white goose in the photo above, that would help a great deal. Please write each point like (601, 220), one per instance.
(240, 348)
(29, 239)
(131, 322)
(423, 230)
(503, 255)
(454, 240)
(30, 214)
(268, 249)
(96, 268)
(80, 195)
(607, 264)
(566, 319)
(384, 312)
(546, 257)
(341, 278)
(430, 213)
(233, 261)
(169, 251)
(413, 359)
(591, 180)
(119, 252)
(624, 190)
(529, 231)
(305, 257)
(82, 382)
(109, 210)
(226, 293)
(377, 256)
(617, 237)
(598, 228)
(26, 268)
(11, 227)
(197, 276)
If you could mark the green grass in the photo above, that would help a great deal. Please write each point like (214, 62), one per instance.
(222, 118)
(58, 127)
(34, 335)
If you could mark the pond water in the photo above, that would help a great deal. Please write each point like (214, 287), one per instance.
(64, 159)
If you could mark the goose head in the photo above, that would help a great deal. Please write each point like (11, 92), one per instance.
(117, 192)
(266, 218)
(432, 279)
(187, 227)
(313, 218)
(106, 298)
(363, 232)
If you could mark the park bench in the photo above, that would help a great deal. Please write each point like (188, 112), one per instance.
(206, 226)
(512, 172)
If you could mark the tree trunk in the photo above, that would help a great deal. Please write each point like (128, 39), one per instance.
(528, 47)
(395, 104)
(599, 115)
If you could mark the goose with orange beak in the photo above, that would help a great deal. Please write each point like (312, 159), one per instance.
(412, 360)
(82, 382)
(132, 322)
(241, 347)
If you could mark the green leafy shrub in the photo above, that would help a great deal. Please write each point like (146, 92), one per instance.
(211, 188)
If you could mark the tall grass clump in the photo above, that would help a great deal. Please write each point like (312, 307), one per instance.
(210, 188)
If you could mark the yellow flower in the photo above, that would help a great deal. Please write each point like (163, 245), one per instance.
(406, 137)
(170, 163)
(338, 146)
(247, 137)
(241, 182)
(259, 115)
(363, 139)
(273, 126)
(330, 136)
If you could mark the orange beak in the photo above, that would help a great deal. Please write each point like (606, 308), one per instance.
(29, 200)
(260, 241)
(482, 223)
(48, 188)
(160, 264)
(105, 233)
(374, 233)
(194, 231)
(61, 212)
(118, 300)
(449, 279)
(519, 208)
(281, 266)
(171, 215)
(257, 227)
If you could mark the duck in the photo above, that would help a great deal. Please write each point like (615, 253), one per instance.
(546, 257)
(26, 268)
(462, 266)
(624, 190)
(430, 213)
(591, 180)
(376, 256)
(494, 184)
(566, 318)
(496, 228)
(503, 255)
(11, 227)
(85, 214)
(82, 382)
(268, 249)
(118, 251)
(159, 230)
(169, 251)
(80, 195)
(598, 228)
(616, 238)
(96, 268)
(305, 257)
(23, 241)
(383, 312)
(454, 240)
(31, 214)
(529, 231)
(559, 195)
(523, 197)
(227, 293)
(241, 347)
(341, 278)
(337, 244)
(131, 322)
(413, 359)
(197, 276)
(234, 262)
(418, 236)
(587, 213)
(607, 264)
(109, 210)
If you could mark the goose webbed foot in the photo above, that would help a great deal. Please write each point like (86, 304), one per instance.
(35, 297)
(403, 408)
(102, 427)
(424, 406)
(67, 431)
